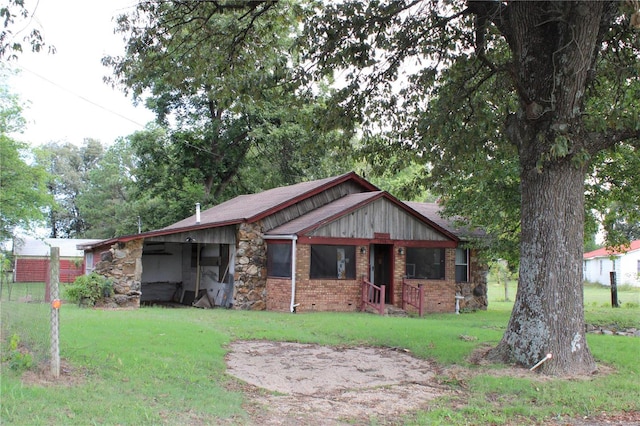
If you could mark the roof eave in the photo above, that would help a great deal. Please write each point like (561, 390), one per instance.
(430, 222)
(337, 181)
(159, 233)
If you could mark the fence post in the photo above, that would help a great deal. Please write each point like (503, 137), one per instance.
(47, 278)
(54, 278)
(614, 290)
(404, 294)
(421, 302)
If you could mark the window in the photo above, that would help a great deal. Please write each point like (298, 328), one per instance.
(88, 265)
(425, 263)
(462, 265)
(335, 262)
(279, 260)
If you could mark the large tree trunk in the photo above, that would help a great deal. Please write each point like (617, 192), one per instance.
(554, 46)
(548, 314)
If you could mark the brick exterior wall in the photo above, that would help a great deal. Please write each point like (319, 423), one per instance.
(439, 295)
(344, 295)
(37, 269)
(399, 269)
(278, 294)
(317, 294)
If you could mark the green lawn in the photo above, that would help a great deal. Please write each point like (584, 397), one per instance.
(166, 366)
(595, 296)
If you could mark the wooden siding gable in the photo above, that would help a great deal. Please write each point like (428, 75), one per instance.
(365, 215)
(378, 217)
(308, 205)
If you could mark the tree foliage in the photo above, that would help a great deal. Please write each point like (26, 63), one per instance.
(14, 15)
(218, 75)
(68, 167)
(612, 191)
(509, 105)
(106, 203)
(23, 194)
(506, 107)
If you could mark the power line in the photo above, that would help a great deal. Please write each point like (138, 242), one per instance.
(65, 89)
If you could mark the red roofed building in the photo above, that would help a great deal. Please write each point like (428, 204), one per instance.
(598, 264)
(323, 245)
(31, 258)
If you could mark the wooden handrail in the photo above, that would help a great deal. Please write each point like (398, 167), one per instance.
(373, 296)
(413, 295)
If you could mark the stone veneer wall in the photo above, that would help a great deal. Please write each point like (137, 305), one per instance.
(250, 276)
(474, 291)
(122, 264)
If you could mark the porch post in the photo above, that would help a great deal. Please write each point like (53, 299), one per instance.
(294, 239)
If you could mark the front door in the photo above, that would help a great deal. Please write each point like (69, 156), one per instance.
(381, 268)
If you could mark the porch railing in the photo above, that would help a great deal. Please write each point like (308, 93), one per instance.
(413, 295)
(373, 296)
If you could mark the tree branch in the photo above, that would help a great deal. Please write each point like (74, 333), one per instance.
(598, 141)
(491, 11)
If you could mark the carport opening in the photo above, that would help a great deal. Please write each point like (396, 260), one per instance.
(187, 274)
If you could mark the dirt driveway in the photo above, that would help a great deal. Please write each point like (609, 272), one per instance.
(303, 384)
(307, 384)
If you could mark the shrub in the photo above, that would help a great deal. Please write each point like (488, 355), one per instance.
(86, 290)
(16, 356)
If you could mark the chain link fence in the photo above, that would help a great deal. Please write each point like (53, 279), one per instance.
(25, 321)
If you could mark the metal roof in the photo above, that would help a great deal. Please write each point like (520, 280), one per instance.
(252, 207)
(605, 252)
(26, 246)
(246, 208)
(432, 211)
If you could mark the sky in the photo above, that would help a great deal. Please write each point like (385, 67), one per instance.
(65, 96)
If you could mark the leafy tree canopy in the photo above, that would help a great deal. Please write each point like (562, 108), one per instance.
(23, 194)
(509, 105)
(106, 204)
(429, 87)
(218, 75)
(68, 166)
(14, 15)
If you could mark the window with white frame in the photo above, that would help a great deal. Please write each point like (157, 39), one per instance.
(88, 263)
(462, 265)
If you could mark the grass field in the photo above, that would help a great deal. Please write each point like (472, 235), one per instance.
(166, 366)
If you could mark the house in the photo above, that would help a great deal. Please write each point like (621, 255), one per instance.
(323, 245)
(31, 257)
(599, 263)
